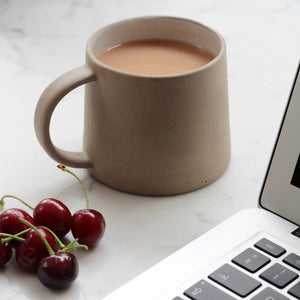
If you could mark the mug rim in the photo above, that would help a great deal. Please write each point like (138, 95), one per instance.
(200, 69)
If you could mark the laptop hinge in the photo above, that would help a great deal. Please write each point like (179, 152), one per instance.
(296, 232)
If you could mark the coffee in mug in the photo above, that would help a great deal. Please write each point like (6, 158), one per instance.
(148, 133)
(156, 57)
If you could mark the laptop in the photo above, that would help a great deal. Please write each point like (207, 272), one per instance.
(255, 254)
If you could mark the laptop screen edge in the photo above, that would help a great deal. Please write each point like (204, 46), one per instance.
(261, 201)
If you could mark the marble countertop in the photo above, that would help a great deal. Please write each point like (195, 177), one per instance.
(40, 40)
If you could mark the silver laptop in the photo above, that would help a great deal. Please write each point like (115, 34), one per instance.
(254, 254)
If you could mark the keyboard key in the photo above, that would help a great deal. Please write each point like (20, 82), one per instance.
(235, 280)
(295, 291)
(270, 247)
(269, 293)
(251, 260)
(293, 260)
(296, 232)
(279, 275)
(203, 290)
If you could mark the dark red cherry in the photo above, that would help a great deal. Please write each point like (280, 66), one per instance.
(33, 249)
(58, 271)
(88, 225)
(53, 214)
(10, 223)
(5, 251)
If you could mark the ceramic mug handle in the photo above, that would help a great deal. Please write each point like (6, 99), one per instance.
(44, 110)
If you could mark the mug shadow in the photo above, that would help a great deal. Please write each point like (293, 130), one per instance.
(102, 197)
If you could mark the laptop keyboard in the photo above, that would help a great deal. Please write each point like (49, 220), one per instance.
(279, 279)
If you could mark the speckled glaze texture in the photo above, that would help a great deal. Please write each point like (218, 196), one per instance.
(42, 39)
(149, 135)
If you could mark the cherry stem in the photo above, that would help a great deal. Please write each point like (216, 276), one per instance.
(8, 239)
(72, 243)
(68, 249)
(59, 242)
(50, 250)
(11, 237)
(64, 168)
(72, 246)
(15, 197)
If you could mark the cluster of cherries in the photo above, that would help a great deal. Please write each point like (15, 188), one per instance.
(37, 240)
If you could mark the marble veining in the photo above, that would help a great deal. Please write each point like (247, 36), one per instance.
(39, 40)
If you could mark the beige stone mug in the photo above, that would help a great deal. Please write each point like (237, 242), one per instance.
(143, 134)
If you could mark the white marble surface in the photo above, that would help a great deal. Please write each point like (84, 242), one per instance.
(40, 40)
